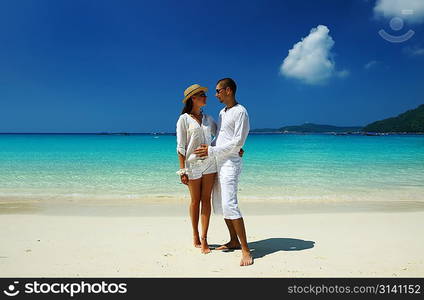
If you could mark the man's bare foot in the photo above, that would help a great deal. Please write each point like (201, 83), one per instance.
(246, 259)
(231, 245)
(196, 242)
(204, 246)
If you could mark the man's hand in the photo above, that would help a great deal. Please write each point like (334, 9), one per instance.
(202, 150)
(241, 152)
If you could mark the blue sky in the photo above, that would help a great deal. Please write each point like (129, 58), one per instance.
(90, 66)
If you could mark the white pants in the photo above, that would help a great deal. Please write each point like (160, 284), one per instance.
(224, 193)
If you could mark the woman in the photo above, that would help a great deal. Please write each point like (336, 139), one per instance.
(193, 129)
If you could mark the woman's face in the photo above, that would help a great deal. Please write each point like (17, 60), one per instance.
(199, 99)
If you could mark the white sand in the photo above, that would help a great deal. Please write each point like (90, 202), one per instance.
(360, 244)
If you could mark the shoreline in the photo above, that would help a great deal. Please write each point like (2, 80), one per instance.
(178, 206)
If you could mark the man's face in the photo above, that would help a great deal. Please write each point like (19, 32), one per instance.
(221, 92)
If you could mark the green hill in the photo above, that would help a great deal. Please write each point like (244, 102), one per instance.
(410, 121)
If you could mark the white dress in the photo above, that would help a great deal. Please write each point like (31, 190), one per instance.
(190, 135)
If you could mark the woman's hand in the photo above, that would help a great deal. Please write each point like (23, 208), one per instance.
(241, 152)
(184, 179)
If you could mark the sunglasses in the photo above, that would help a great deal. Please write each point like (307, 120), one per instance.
(219, 90)
(201, 95)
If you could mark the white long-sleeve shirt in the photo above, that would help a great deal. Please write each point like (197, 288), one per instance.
(191, 135)
(233, 129)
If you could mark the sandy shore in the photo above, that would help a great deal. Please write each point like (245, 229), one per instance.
(105, 242)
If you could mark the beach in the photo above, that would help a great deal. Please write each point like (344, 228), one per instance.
(155, 241)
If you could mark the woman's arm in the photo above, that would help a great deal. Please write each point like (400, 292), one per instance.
(181, 158)
(181, 147)
(184, 177)
(181, 133)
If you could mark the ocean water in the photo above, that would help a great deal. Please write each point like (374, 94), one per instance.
(290, 168)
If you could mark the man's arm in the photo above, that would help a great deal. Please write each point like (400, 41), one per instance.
(241, 131)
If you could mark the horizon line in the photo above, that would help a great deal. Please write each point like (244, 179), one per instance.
(159, 132)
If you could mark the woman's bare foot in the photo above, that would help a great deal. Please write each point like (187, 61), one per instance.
(231, 245)
(196, 241)
(204, 246)
(246, 259)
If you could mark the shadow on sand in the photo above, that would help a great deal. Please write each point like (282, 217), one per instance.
(268, 246)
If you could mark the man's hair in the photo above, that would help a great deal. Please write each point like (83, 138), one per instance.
(228, 82)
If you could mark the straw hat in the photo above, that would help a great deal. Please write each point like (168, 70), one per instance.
(193, 89)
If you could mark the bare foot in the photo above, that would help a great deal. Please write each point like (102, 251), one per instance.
(204, 246)
(196, 242)
(231, 245)
(246, 259)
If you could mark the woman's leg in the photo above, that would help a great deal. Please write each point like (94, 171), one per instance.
(207, 184)
(194, 185)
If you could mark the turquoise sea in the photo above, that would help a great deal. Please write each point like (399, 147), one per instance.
(286, 167)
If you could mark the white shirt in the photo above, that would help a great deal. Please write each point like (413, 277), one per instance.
(233, 129)
(190, 135)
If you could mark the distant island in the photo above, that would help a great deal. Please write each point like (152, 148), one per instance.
(309, 128)
(135, 133)
(113, 133)
(411, 121)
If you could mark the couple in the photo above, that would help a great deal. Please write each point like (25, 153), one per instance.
(203, 158)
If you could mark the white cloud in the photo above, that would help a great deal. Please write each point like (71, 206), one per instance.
(310, 59)
(409, 10)
(370, 64)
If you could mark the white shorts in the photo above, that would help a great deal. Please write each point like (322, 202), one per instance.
(201, 167)
(224, 194)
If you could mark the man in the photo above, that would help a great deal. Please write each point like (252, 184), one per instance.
(232, 132)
